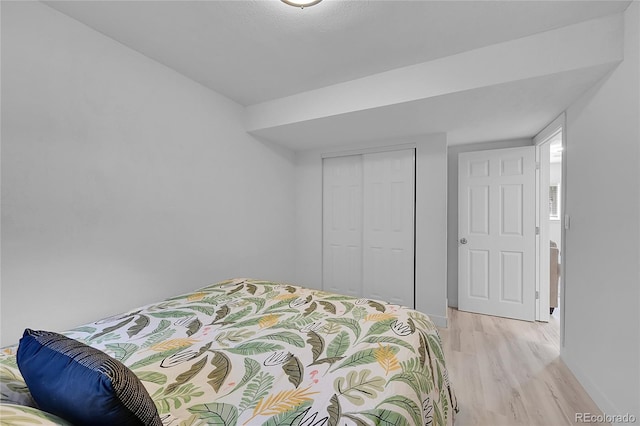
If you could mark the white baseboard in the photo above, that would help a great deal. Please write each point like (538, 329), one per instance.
(601, 400)
(440, 321)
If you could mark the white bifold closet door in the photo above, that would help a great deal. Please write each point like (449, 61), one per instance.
(368, 226)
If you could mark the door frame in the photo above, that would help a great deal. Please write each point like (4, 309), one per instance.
(541, 142)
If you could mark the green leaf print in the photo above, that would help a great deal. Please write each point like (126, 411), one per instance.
(420, 319)
(362, 357)
(155, 358)
(231, 319)
(413, 374)
(164, 324)
(179, 396)
(312, 307)
(348, 307)
(84, 329)
(122, 351)
(221, 313)
(258, 301)
(193, 327)
(390, 339)
(277, 305)
(407, 404)
(152, 377)
(356, 420)
(216, 413)
(139, 325)
(434, 345)
(9, 361)
(359, 313)
(297, 322)
(257, 389)
(251, 368)
(331, 360)
(377, 306)
(356, 384)
(235, 290)
(294, 370)
(412, 325)
(353, 325)
(438, 420)
(171, 314)
(380, 327)
(331, 328)
(334, 410)
(287, 337)
(105, 338)
(158, 337)
(338, 345)
(317, 344)
(110, 329)
(338, 298)
(328, 306)
(227, 338)
(444, 400)
(188, 375)
(207, 310)
(292, 417)
(382, 417)
(422, 349)
(238, 315)
(254, 348)
(222, 369)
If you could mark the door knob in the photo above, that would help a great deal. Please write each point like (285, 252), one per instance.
(463, 241)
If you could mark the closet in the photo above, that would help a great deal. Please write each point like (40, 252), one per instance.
(368, 225)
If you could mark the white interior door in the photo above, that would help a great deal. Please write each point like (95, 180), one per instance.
(496, 226)
(389, 208)
(342, 225)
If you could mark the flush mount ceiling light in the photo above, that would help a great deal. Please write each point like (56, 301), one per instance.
(301, 3)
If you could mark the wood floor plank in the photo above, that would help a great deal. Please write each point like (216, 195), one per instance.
(509, 372)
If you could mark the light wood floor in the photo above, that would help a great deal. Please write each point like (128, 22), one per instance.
(508, 372)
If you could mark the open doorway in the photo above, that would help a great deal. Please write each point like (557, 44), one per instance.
(555, 230)
(550, 239)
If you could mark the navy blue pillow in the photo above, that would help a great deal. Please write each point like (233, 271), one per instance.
(82, 384)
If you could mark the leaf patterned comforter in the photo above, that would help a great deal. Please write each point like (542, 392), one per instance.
(252, 352)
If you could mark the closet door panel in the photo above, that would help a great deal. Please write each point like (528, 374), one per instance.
(342, 225)
(388, 226)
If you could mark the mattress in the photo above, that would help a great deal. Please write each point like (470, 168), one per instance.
(252, 352)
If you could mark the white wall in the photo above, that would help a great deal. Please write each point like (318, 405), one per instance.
(431, 218)
(452, 206)
(602, 320)
(123, 182)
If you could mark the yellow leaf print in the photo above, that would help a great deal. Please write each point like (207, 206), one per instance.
(182, 342)
(194, 297)
(386, 358)
(379, 317)
(281, 402)
(268, 320)
(285, 296)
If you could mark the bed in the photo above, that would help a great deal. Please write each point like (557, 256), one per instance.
(251, 352)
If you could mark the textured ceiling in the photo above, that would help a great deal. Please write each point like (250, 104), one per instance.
(253, 51)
